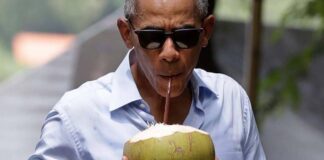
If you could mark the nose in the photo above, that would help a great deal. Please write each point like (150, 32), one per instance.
(169, 52)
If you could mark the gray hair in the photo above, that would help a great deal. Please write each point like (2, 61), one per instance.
(130, 8)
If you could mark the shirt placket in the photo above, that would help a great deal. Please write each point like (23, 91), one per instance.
(143, 111)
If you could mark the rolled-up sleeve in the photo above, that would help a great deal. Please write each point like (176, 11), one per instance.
(56, 141)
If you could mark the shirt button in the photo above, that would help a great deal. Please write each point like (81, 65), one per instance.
(142, 106)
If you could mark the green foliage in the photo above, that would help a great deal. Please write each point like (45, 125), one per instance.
(315, 8)
(279, 88)
(51, 15)
(8, 66)
(72, 16)
(78, 14)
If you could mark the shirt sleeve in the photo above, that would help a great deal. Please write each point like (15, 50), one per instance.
(252, 148)
(56, 141)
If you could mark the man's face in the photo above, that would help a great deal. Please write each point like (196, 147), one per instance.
(158, 66)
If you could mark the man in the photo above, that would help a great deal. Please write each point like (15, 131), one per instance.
(165, 38)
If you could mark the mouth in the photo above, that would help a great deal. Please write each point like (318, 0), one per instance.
(173, 76)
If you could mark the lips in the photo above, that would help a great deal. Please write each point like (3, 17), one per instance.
(173, 76)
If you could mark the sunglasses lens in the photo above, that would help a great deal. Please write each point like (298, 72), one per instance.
(151, 39)
(154, 39)
(186, 38)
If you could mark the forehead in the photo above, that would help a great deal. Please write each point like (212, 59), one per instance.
(167, 13)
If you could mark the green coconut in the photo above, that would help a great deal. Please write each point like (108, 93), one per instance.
(170, 142)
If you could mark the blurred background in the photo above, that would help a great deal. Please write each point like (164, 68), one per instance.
(50, 47)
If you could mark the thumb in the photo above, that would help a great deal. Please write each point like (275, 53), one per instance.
(124, 158)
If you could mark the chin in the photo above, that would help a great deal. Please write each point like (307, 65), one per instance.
(176, 90)
(178, 86)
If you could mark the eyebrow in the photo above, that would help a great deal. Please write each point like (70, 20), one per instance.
(153, 27)
(160, 28)
(188, 26)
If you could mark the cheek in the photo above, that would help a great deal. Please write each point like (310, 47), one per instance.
(146, 64)
(191, 59)
(195, 59)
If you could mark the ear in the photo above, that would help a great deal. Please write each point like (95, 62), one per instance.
(208, 25)
(125, 32)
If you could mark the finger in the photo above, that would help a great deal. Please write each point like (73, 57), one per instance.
(124, 158)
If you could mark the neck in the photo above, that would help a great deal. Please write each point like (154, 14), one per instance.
(179, 106)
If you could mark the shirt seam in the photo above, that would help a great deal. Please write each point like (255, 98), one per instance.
(72, 132)
(245, 117)
(248, 119)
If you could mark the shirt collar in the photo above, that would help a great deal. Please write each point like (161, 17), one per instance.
(201, 89)
(124, 89)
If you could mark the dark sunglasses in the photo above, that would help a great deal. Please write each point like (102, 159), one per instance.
(183, 38)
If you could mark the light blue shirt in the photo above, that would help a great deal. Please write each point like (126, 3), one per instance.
(94, 121)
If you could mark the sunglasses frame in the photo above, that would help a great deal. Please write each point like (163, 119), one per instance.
(166, 34)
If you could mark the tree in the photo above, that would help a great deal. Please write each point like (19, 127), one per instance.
(279, 88)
